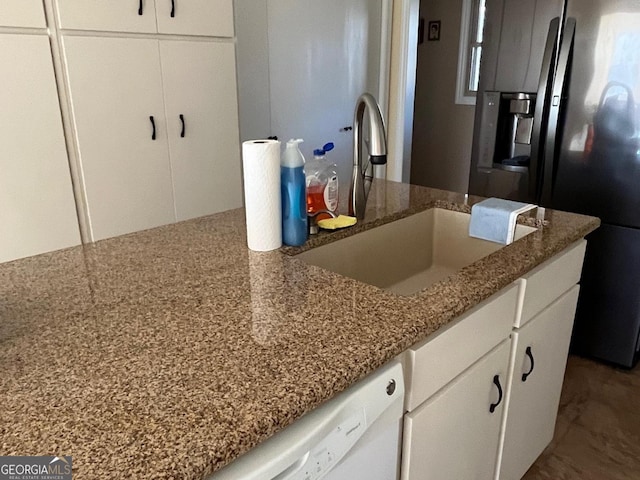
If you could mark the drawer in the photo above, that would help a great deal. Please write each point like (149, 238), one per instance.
(547, 282)
(108, 15)
(434, 362)
(182, 17)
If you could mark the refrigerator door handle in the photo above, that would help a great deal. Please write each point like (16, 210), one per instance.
(541, 114)
(556, 106)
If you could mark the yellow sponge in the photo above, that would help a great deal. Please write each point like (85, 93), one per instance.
(341, 221)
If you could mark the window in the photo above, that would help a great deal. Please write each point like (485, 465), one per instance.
(470, 50)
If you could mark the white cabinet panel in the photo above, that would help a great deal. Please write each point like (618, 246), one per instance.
(22, 13)
(37, 207)
(115, 87)
(432, 363)
(108, 15)
(533, 401)
(195, 17)
(183, 17)
(548, 281)
(200, 85)
(454, 435)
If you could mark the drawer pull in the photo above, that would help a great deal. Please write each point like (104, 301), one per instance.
(173, 8)
(153, 126)
(496, 382)
(529, 354)
(184, 128)
(140, 8)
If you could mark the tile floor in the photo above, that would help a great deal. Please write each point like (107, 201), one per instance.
(598, 429)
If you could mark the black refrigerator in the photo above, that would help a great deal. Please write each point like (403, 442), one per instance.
(558, 124)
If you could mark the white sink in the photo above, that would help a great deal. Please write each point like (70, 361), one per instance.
(407, 255)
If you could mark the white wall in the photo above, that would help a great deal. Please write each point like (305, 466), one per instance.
(302, 64)
(402, 81)
(252, 54)
(442, 130)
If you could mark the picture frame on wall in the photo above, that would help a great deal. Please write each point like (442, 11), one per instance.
(434, 31)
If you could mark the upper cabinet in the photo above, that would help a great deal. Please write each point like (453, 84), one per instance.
(119, 118)
(195, 17)
(156, 123)
(108, 15)
(202, 126)
(37, 206)
(22, 13)
(181, 17)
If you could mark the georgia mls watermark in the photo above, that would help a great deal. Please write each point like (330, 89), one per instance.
(35, 468)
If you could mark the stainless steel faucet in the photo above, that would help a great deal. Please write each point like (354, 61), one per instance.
(377, 144)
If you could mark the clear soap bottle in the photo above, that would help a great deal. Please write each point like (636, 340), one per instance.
(322, 183)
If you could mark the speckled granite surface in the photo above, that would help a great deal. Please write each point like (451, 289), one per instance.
(168, 353)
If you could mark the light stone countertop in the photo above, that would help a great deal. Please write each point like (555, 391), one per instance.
(167, 353)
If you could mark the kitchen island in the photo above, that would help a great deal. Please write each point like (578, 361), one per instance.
(168, 353)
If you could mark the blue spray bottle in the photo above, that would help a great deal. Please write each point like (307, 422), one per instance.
(294, 195)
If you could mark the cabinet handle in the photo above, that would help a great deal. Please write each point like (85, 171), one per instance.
(184, 128)
(173, 8)
(153, 126)
(530, 355)
(140, 8)
(496, 382)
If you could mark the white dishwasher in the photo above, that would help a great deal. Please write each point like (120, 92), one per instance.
(356, 435)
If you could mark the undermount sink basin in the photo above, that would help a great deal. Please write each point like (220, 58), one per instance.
(407, 255)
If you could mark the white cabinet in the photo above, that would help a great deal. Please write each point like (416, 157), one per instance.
(548, 281)
(22, 13)
(155, 117)
(185, 17)
(434, 362)
(454, 435)
(449, 431)
(452, 378)
(541, 348)
(108, 15)
(119, 118)
(37, 206)
(157, 130)
(541, 337)
(195, 17)
(200, 101)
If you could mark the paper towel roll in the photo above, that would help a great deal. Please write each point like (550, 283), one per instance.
(263, 208)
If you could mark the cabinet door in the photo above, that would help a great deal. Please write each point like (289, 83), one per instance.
(195, 17)
(200, 97)
(536, 383)
(22, 13)
(454, 435)
(116, 88)
(37, 207)
(108, 15)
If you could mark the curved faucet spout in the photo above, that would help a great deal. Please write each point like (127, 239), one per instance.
(377, 143)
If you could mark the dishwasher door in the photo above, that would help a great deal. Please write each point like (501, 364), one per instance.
(355, 435)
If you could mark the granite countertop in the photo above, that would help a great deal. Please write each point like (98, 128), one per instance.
(169, 352)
